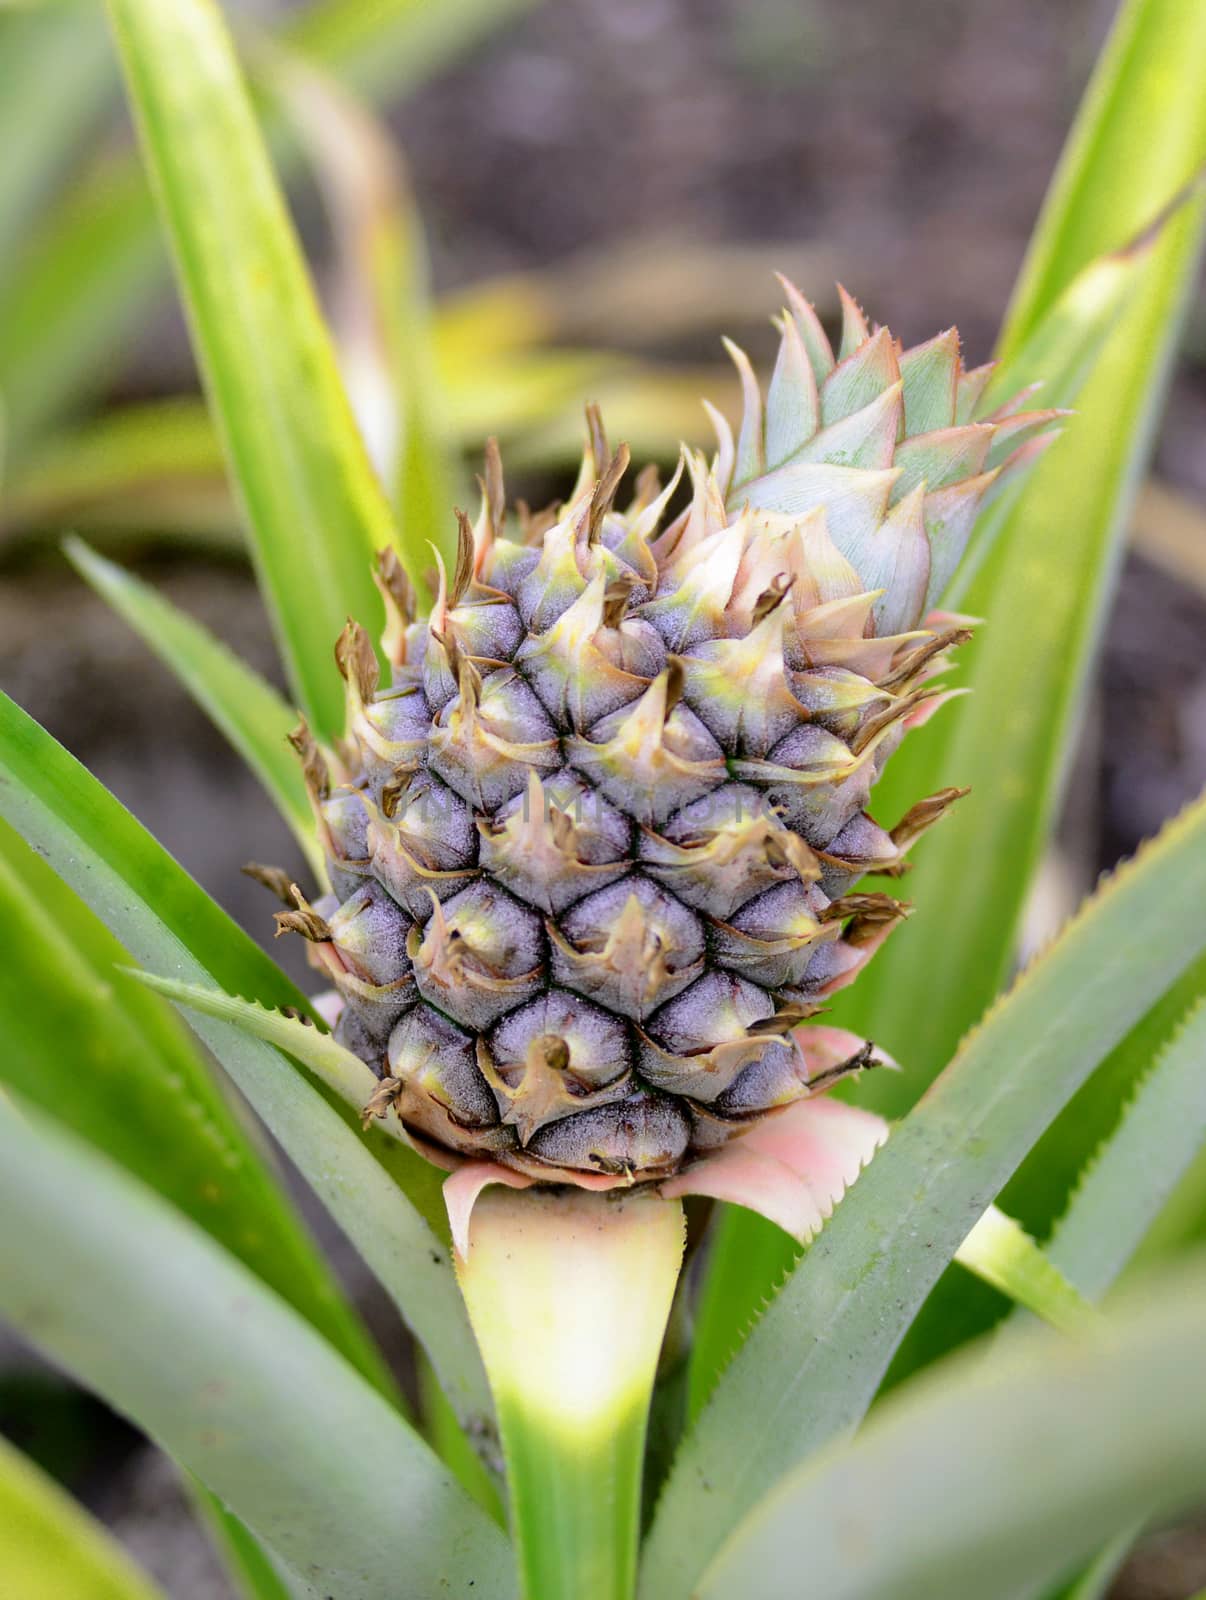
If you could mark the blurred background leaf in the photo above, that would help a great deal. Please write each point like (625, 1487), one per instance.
(79, 286)
(50, 1549)
(59, 78)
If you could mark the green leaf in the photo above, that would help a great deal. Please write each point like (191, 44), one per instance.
(151, 467)
(138, 891)
(254, 1572)
(1138, 136)
(1045, 585)
(394, 46)
(1160, 1132)
(405, 1245)
(1044, 1187)
(314, 507)
(58, 77)
(381, 306)
(446, 1436)
(78, 293)
(138, 1090)
(812, 1364)
(1060, 355)
(249, 711)
(1004, 1255)
(76, 298)
(150, 1312)
(50, 1548)
(343, 1073)
(748, 1258)
(170, 925)
(997, 1472)
(1095, 1581)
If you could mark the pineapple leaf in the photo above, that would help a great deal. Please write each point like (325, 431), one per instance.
(139, 1091)
(78, 289)
(59, 76)
(1126, 1183)
(812, 1364)
(1002, 1253)
(1042, 1190)
(1123, 1189)
(254, 1572)
(339, 1069)
(1042, 1187)
(122, 872)
(1095, 1581)
(167, 922)
(1138, 136)
(381, 306)
(394, 46)
(155, 468)
(403, 1243)
(75, 299)
(1059, 355)
(50, 1546)
(995, 1473)
(156, 463)
(146, 1309)
(314, 508)
(246, 709)
(1052, 567)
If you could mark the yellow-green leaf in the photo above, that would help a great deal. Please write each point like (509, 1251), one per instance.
(315, 510)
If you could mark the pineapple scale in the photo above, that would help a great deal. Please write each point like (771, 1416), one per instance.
(593, 851)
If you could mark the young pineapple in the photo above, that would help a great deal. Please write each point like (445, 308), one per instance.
(593, 850)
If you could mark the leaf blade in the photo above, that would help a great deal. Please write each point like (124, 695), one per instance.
(139, 1091)
(1082, 1433)
(1160, 1131)
(49, 1546)
(812, 1364)
(242, 705)
(1136, 136)
(59, 77)
(71, 1278)
(169, 925)
(78, 292)
(315, 510)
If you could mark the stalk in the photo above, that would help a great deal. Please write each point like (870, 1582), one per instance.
(569, 1293)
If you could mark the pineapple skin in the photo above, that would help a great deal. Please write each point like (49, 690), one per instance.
(594, 851)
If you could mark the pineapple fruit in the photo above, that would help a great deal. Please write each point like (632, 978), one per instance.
(594, 851)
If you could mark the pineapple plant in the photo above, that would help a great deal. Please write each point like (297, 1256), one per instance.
(586, 836)
(594, 849)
